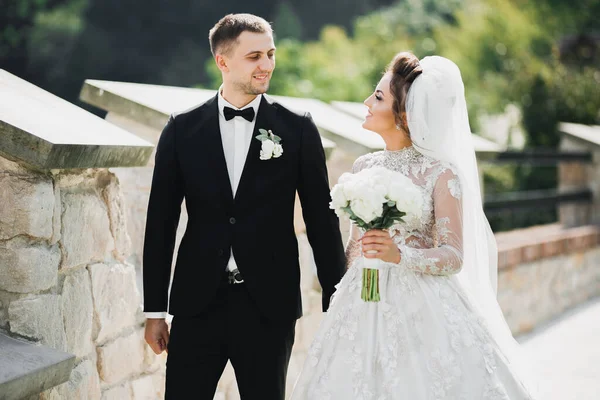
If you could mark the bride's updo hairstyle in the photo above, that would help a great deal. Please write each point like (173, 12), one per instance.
(404, 69)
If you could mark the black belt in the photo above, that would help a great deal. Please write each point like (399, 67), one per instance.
(234, 277)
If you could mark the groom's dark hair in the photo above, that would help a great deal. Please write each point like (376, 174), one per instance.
(223, 36)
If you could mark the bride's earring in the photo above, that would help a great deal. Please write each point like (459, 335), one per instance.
(398, 127)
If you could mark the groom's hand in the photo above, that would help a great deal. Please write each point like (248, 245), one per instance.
(157, 334)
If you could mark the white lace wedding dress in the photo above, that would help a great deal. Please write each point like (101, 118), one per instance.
(425, 339)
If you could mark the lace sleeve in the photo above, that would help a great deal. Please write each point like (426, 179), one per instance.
(353, 248)
(446, 257)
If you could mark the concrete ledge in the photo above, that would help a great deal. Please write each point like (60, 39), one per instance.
(43, 131)
(546, 241)
(586, 133)
(27, 369)
(151, 105)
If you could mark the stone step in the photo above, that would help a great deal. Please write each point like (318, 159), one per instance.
(27, 369)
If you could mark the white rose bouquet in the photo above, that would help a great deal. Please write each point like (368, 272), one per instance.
(375, 198)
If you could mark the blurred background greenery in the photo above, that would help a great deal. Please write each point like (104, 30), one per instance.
(539, 57)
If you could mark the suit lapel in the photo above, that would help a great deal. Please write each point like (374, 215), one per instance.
(266, 112)
(214, 150)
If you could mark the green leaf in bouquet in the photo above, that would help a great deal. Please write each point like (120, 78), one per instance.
(391, 203)
(363, 225)
(264, 132)
(276, 139)
(389, 217)
(348, 210)
(262, 137)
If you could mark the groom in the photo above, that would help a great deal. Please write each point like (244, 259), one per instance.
(235, 294)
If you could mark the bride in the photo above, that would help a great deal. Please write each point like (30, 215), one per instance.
(438, 331)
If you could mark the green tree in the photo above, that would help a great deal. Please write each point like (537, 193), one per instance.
(51, 41)
(16, 22)
(498, 49)
(286, 23)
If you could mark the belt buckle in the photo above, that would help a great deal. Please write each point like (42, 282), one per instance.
(235, 277)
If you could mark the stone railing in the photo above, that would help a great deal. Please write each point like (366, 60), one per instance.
(545, 270)
(66, 290)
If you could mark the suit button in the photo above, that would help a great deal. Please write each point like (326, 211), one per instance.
(232, 220)
(220, 252)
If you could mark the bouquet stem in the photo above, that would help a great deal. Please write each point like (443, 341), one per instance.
(370, 285)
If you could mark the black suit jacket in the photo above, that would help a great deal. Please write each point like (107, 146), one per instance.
(257, 225)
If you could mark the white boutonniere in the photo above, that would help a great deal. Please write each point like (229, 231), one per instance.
(271, 145)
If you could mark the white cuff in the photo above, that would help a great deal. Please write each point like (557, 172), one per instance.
(156, 314)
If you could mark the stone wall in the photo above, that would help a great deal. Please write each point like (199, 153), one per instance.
(66, 283)
(545, 270)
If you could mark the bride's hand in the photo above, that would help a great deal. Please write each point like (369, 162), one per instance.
(381, 242)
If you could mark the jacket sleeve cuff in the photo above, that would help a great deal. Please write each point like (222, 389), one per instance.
(156, 314)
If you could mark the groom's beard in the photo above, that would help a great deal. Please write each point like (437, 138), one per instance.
(251, 89)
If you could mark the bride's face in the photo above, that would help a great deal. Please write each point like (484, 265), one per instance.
(380, 117)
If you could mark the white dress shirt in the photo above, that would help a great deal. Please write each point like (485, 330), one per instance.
(236, 136)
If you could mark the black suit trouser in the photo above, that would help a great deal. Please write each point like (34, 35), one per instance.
(230, 329)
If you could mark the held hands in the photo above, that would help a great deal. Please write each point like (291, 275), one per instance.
(157, 334)
(381, 242)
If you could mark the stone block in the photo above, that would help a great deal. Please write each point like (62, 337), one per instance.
(83, 383)
(27, 267)
(308, 269)
(27, 369)
(553, 247)
(31, 200)
(78, 312)
(56, 216)
(85, 231)
(294, 369)
(219, 396)
(135, 189)
(121, 392)
(233, 392)
(39, 318)
(227, 383)
(147, 388)
(116, 298)
(153, 362)
(116, 212)
(7, 165)
(307, 326)
(121, 358)
(66, 180)
(532, 252)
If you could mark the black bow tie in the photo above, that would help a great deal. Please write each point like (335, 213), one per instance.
(246, 113)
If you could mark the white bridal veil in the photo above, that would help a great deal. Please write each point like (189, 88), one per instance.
(439, 127)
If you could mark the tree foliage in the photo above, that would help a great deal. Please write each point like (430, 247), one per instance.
(17, 21)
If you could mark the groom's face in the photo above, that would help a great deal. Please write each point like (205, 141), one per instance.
(250, 63)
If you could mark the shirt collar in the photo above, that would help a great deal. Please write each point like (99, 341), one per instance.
(224, 103)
